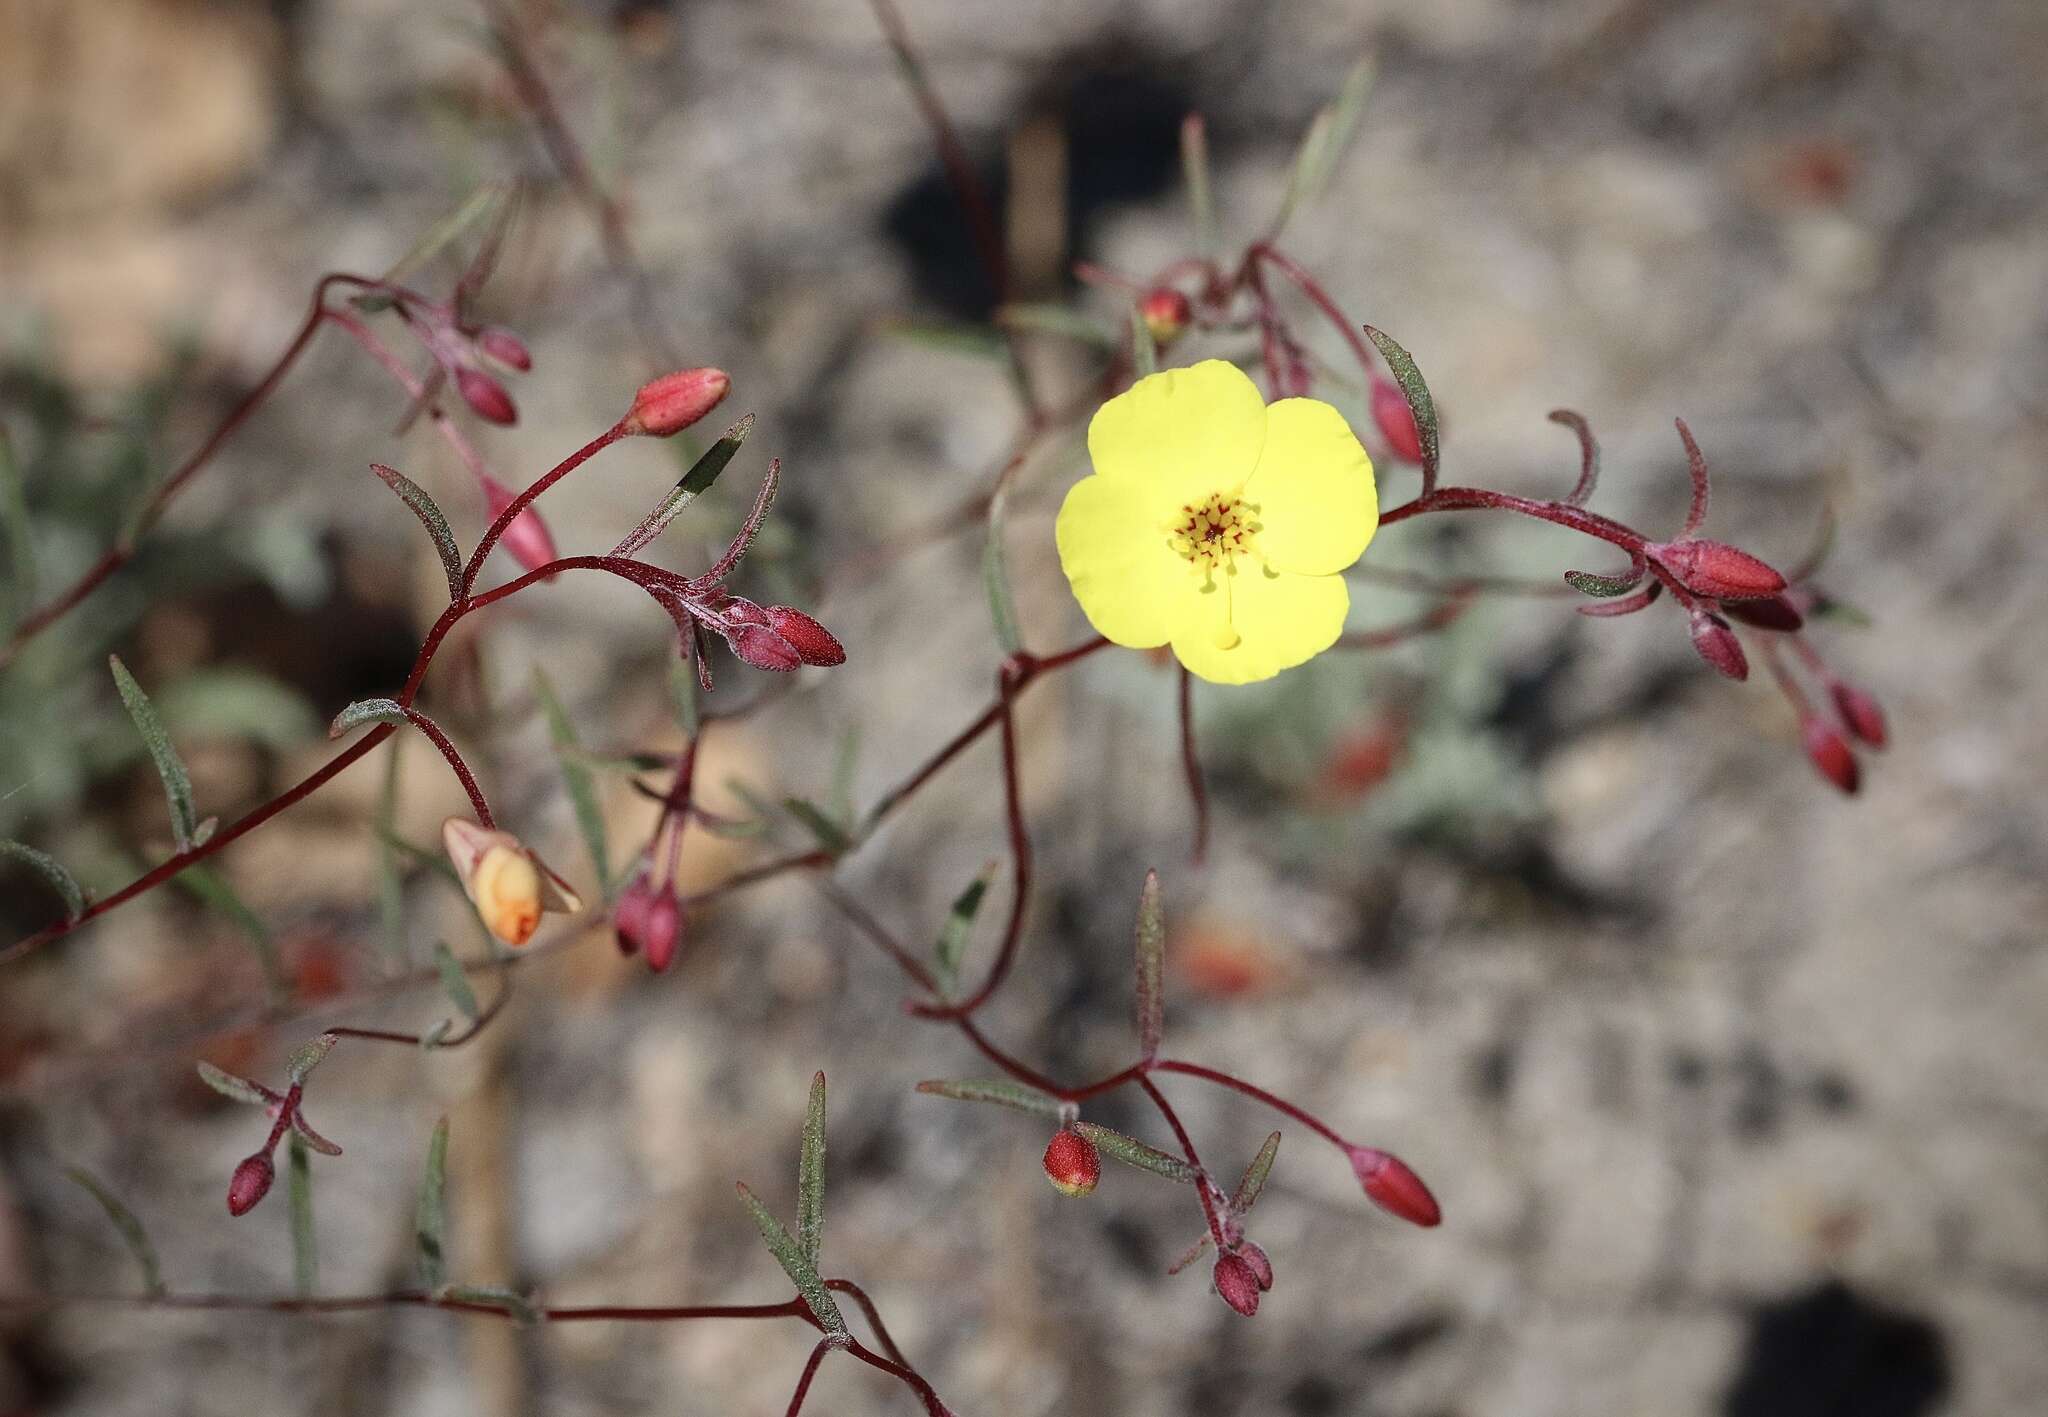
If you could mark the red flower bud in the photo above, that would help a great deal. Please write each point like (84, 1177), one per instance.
(505, 347)
(1396, 421)
(1717, 570)
(1391, 1186)
(1238, 1283)
(1718, 646)
(675, 401)
(764, 649)
(1829, 753)
(1262, 1268)
(1773, 612)
(813, 642)
(1863, 714)
(1166, 313)
(1072, 1163)
(526, 536)
(486, 395)
(250, 1183)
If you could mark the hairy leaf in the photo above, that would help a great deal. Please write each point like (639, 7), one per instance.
(169, 766)
(48, 867)
(424, 507)
(999, 1091)
(1151, 968)
(790, 1255)
(1255, 1175)
(810, 1175)
(364, 711)
(1133, 1152)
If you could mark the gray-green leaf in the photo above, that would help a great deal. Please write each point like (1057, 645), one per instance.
(951, 946)
(795, 1264)
(454, 982)
(309, 1056)
(1151, 961)
(126, 1225)
(1255, 1176)
(305, 1243)
(999, 1091)
(51, 870)
(1416, 390)
(430, 1218)
(169, 766)
(364, 711)
(424, 507)
(576, 776)
(228, 1085)
(810, 1176)
(1133, 1152)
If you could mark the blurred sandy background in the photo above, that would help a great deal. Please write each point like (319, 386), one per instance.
(1735, 1092)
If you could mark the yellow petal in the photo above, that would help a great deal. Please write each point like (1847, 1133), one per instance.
(1187, 432)
(1113, 547)
(1317, 507)
(1259, 622)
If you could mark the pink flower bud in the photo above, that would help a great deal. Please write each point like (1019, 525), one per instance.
(1396, 420)
(1718, 646)
(1772, 612)
(1391, 1186)
(505, 347)
(1166, 313)
(526, 536)
(813, 642)
(1863, 714)
(675, 401)
(649, 920)
(1237, 1282)
(1717, 570)
(486, 395)
(1072, 1163)
(764, 649)
(1262, 1267)
(1829, 753)
(250, 1183)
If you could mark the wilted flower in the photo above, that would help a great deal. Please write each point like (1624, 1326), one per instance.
(509, 885)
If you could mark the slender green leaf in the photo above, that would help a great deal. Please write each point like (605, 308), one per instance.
(434, 1036)
(430, 1217)
(790, 1255)
(1133, 1152)
(1416, 390)
(694, 484)
(455, 982)
(1194, 167)
(810, 1175)
(48, 867)
(228, 1085)
(845, 766)
(1056, 320)
(309, 1056)
(951, 946)
(304, 1130)
(576, 776)
(995, 575)
(305, 1243)
(14, 527)
(213, 890)
(479, 206)
(169, 766)
(830, 834)
(519, 1306)
(126, 1225)
(1144, 353)
(684, 694)
(1150, 993)
(1255, 1176)
(1328, 135)
(366, 711)
(974, 341)
(424, 507)
(1599, 586)
(999, 1091)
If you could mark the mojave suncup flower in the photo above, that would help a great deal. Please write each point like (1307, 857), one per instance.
(1218, 524)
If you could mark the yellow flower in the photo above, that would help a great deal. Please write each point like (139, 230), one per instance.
(1218, 524)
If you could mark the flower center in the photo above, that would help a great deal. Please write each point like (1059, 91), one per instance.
(1211, 534)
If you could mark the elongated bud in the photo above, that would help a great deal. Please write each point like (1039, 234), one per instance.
(250, 1183)
(813, 642)
(1718, 646)
(1717, 570)
(1772, 612)
(675, 401)
(764, 649)
(1393, 1187)
(1829, 753)
(505, 347)
(526, 536)
(1396, 421)
(1262, 1267)
(486, 395)
(1862, 713)
(509, 885)
(1072, 1163)
(1166, 313)
(1237, 1282)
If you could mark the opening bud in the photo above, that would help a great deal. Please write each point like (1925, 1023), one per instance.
(526, 536)
(1717, 570)
(1393, 1187)
(1072, 1163)
(675, 401)
(1863, 714)
(1166, 313)
(812, 642)
(1238, 1283)
(1829, 753)
(1396, 420)
(250, 1183)
(1718, 646)
(505, 347)
(509, 885)
(486, 395)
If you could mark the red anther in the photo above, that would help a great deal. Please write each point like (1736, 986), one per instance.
(1262, 1267)
(1238, 1283)
(675, 401)
(813, 643)
(1072, 1163)
(1772, 612)
(505, 347)
(486, 395)
(526, 536)
(250, 1183)
(1166, 313)
(1718, 646)
(764, 649)
(1829, 753)
(1862, 713)
(1393, 1187)
(1396, 421)
(1717, 570)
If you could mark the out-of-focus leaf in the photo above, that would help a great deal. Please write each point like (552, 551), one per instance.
(437, 1034)
(1255, 1176)
(1144, 353)
(126, 1225)
(683, 692)
(238, 704)
(212, 889)
(430, 1217)
(995, 576)
(810, 1175)
(169, 766)
(1194, 167)
(974, 341)
(299, 1191)
(51, 870)
(1056, 320)
(454, 982)
(228, 1085)
(14, 528)
(1133, 1152)
(518, 1305)
(829, 833)
(790, 1255)
(999, 1091)
(364, 711)
(1328, 135)
(477, 208)
(845, 764)
(576, 777)
(1149, 993)
(951, 946)
(429, 512)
